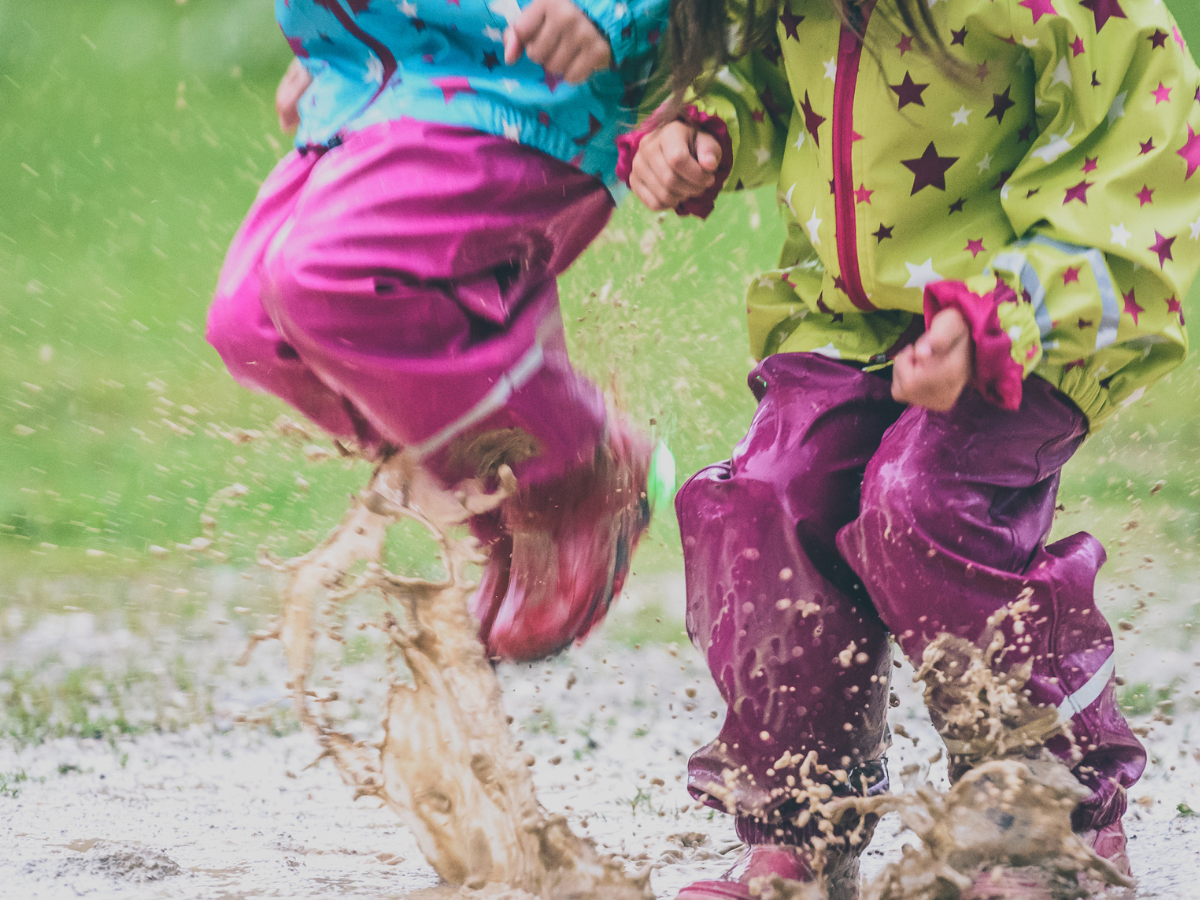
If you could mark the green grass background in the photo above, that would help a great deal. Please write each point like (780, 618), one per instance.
(133, 135)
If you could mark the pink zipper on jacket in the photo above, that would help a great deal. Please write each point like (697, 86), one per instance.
(845, 81)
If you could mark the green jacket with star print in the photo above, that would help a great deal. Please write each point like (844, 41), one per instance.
(1049, 190)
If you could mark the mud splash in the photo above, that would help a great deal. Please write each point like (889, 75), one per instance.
(1004, 827)
(447, 764)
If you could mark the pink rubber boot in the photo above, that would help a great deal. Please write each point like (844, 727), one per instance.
(564, 553)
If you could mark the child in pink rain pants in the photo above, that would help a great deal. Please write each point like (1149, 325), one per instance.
(395, 280)
(992, 219)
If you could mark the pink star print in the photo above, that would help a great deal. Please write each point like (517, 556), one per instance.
(1162, 248)
(1173, 305)
(975, 247)
(1145, 195)
(1162, 95)
(1039, 8)
(1077, 47)
(452, 86)
(862, 195)
(1089, 164)
(1078, 192)
(1071, 275)
(1131, 305)
(1191, 153)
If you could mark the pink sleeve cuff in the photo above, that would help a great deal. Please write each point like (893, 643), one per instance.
(702, 205)
(998, 377)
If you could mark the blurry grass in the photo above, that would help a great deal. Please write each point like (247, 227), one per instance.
(133, 138)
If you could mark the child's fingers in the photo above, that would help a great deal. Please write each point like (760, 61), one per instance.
(707, 151)
(676, 155)
(524, 31)
(947, 330)
(594, 57)
(646, 186)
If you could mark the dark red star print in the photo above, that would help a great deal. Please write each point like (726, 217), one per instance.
(769, 102)
(957, 205)
(594, 128)
(1084, 323)
(358, 7)
(1003, 180)
(1162, 248)
(296, 45)
(958, 37)
(1131, 305)
(1159, 39)
(811, 120)
(929, 169)
(1001, 103)
(882, 233)
(1026, 132)
(908, 91)
(490, 59)
(905, 43)
(1078, 192)
(790, 22)
(1095, 80)
(1146, 146)
(1030, 193)
(1103, 10)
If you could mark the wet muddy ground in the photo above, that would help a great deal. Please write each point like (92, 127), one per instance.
(179, 797)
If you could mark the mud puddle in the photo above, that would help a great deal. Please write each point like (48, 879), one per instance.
(238, 811)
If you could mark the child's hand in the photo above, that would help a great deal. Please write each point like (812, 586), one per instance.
(559, 37)
(674, 164)
(933, 371)
(287, 97)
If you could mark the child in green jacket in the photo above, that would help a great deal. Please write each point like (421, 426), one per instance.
(992, 220)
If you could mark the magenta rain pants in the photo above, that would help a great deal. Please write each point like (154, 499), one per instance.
(844, 517)
(400, 288)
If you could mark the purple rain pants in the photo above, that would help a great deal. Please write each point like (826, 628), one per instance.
(844, 516)
(400, 289)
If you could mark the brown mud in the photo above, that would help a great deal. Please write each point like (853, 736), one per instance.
(447, 764)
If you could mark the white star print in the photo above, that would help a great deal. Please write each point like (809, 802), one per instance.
(762, 154)
(812, 225)
(787, 199)
(765, 283)
(1059, 144)
(831, 69)
(1004, 191)
(728, 79)
(509, 9)
(1120, 235)
(960, 117)
(493, 34)
(374, 73)
(921, 275)
(985, 163)
(829, 350)
(1135, 396)
(800, 140)
(510, 84)
(409, 9)
(1195, 226)
(1062, 73)
(1029, 42)
(1117, 110)
(512, 131)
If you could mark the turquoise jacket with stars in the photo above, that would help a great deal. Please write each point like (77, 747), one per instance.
(443, 61)
(1051, 192)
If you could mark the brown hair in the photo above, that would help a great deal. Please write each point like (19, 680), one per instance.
(700, 34)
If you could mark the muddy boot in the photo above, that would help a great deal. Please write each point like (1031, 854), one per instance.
(832, 872)
(564, 552)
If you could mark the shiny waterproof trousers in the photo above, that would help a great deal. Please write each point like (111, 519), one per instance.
(400, 288)
(843, 517)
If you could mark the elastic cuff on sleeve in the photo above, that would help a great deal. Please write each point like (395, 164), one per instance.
(702, 205)
(998, 377)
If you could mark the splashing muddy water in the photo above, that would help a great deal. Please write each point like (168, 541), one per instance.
(447, 764)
